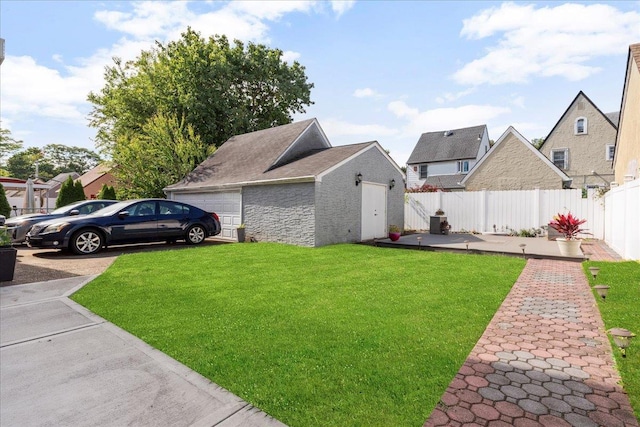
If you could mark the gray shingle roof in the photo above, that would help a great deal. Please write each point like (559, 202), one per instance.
(446, 182)
(269, 155)
(614, 117)
(436, 147)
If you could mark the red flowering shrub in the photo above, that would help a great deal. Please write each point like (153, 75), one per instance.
(568, 225)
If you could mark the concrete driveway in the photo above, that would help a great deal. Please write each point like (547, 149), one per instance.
(63, 365)
(36, 265)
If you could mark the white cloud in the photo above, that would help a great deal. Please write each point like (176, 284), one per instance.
(342, 6)
(546, 41)
(365, 93)
(450, 97)
(31, 89)
(289, 56)
(444, 118)
(336, 128)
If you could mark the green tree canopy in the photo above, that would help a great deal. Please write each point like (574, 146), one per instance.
(5, 208)
(164, 152)
(52, 159)
(69, 193)
(8, 145)
(107, 192)
(219, 89)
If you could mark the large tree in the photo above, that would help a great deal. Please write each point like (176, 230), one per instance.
(164, 152)
(219, 89)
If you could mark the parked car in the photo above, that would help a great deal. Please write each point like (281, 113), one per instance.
(2, 219)
(20, 225)
(133, 221)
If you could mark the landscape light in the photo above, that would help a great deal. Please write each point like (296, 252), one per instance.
(602, 290)
(622, 338)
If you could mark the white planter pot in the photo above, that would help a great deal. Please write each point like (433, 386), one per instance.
(569, 247)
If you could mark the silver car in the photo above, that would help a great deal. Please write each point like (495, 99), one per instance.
(20, 225)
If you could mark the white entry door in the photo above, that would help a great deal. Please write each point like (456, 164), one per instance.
(374, 211)
(227, 205)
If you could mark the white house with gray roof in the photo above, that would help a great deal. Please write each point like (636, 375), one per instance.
(443, 158)
(288, 184)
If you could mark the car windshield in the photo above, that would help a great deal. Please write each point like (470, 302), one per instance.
(65, 208)
(110, 210)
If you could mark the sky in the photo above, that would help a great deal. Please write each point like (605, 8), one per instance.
(383, 70)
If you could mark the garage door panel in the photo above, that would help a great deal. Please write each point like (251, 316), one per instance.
(227, 205)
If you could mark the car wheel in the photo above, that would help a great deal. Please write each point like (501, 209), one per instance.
(196, 234)
(86, 242)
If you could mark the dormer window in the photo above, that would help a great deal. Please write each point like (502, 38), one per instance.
(580, 127)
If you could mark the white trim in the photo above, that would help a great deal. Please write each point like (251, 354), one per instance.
(512, 130)
(566, 156)
(371, 145)
(606, 152)
(585, 127)
(327, 144)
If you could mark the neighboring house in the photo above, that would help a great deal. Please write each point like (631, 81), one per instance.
(288, 184)
(56, 182)
(443, 158)
(93, 180)
(513, 163)
(627, 151)
(582, 143)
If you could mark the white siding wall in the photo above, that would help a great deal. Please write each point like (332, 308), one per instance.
(480, 210)
(439, 168)
(622, 219)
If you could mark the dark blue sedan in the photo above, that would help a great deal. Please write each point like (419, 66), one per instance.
(133, 221)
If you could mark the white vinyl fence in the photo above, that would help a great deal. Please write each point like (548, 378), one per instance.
(622, 219)
(501, 211)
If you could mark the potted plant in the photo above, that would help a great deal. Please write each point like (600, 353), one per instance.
(569, 226)
(8, 256)
(394, 232)
(241, 234)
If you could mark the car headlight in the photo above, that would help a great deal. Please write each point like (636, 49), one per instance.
(54, 228)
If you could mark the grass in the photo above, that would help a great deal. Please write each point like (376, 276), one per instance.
(622, 310)
(345, 335)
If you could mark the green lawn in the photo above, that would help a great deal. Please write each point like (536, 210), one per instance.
(345, 335)
(622, 310)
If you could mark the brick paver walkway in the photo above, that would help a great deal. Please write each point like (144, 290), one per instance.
(597, 250)
(544, 360)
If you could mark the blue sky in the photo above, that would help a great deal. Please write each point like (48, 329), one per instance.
(385, 71)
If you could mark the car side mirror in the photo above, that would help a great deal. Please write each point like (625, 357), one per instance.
(74, 212)
(123, 214)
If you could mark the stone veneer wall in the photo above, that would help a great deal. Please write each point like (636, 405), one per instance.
(280, 213)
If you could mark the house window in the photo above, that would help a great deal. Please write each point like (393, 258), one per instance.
(463, 166)
(560, 158)
(423, 172)
(581, 126)
(611, 149)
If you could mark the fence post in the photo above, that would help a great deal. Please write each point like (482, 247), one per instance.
(483, 210)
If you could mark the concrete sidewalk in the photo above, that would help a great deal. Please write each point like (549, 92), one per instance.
(544, 360)
(63, 365)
